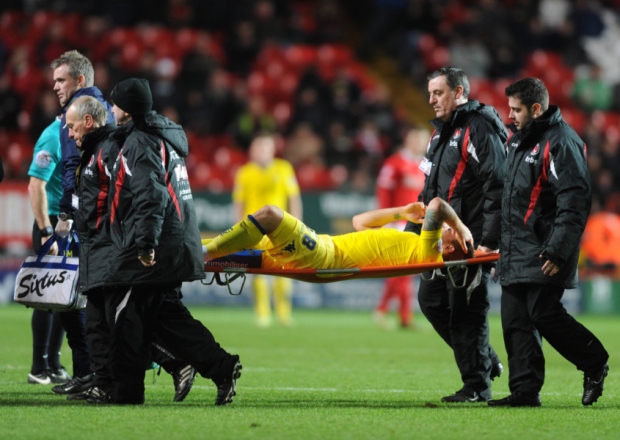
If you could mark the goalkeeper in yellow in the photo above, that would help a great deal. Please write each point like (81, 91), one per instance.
(267, 180)
(290, 244)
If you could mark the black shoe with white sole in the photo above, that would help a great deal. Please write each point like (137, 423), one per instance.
(75, 385)
(226, 389)
(183, 381)
(593, 386)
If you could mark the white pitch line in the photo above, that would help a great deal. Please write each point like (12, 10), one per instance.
(326, 390)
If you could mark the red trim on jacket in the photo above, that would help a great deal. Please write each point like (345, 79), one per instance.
(460, 169)
(103, 190)
(120, 179)
(542, 180)
(173, 195)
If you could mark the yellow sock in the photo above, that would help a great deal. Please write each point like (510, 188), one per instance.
(244, 235)
(262, 305)
(282, 288)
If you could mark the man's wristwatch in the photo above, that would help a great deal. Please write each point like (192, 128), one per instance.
(46, 231)
(65, 216)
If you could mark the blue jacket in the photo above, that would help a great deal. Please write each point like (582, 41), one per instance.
(70, 153)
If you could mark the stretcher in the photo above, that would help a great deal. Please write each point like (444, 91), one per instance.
(239, 265)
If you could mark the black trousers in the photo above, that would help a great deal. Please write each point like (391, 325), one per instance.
(532, 311)
(135, 314)
(463, 326)
(98, 336)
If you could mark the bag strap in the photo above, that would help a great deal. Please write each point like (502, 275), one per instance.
(45, 248)
(68, 241)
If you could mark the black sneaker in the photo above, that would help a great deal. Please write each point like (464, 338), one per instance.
(183, 381)
(75, 385)
(82, 395)
(593, 386)
(496, 370)
(60, 376)
(43, 378)
(465, 396)
(98, 395)
(226, 388)
(517, 400)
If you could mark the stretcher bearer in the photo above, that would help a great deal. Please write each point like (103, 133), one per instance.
(464, 166)
(547, 197)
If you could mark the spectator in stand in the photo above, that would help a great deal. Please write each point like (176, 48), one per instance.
(253, 120)
(224, 107)
(197, 66)
(369, 145)
(469, 52)
(241, 47)
(195, 113)
(10, 104)
(339, 146)
(53, 44)
(26, 77)
(386, 15)
(304, 146)
(345, 105)
(44, 113)
(268, 24)
(378, 108)
(165, 89)
(400, 181)
(267, 180)
(591, 91)
(309, 109)
(329, 18)
(586, 19)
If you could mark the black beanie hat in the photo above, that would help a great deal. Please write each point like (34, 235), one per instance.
(133, 96)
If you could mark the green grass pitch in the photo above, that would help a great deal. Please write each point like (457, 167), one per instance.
(334, 375)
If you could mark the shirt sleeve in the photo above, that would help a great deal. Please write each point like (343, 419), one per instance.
(430, 246)
(45, 158)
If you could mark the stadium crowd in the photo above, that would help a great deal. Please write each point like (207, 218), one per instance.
(228, 70)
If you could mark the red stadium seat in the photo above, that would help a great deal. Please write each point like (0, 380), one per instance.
(575, 118)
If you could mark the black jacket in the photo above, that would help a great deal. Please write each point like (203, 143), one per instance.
(546, 202)
(467, 158)
(70, 153)
(91, 219)
(152, 206)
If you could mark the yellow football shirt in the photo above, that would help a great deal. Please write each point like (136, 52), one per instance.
(390, 247)
(256, 186)
(295, 246)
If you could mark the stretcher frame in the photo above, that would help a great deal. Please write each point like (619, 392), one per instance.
(438, 269)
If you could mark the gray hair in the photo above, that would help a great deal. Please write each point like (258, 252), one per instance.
(454, 77)
(77, 65)
(88, 105)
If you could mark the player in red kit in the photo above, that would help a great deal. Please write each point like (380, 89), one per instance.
(399, 183)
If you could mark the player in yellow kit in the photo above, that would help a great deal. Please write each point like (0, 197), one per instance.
(289, 244)
(267, 180)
